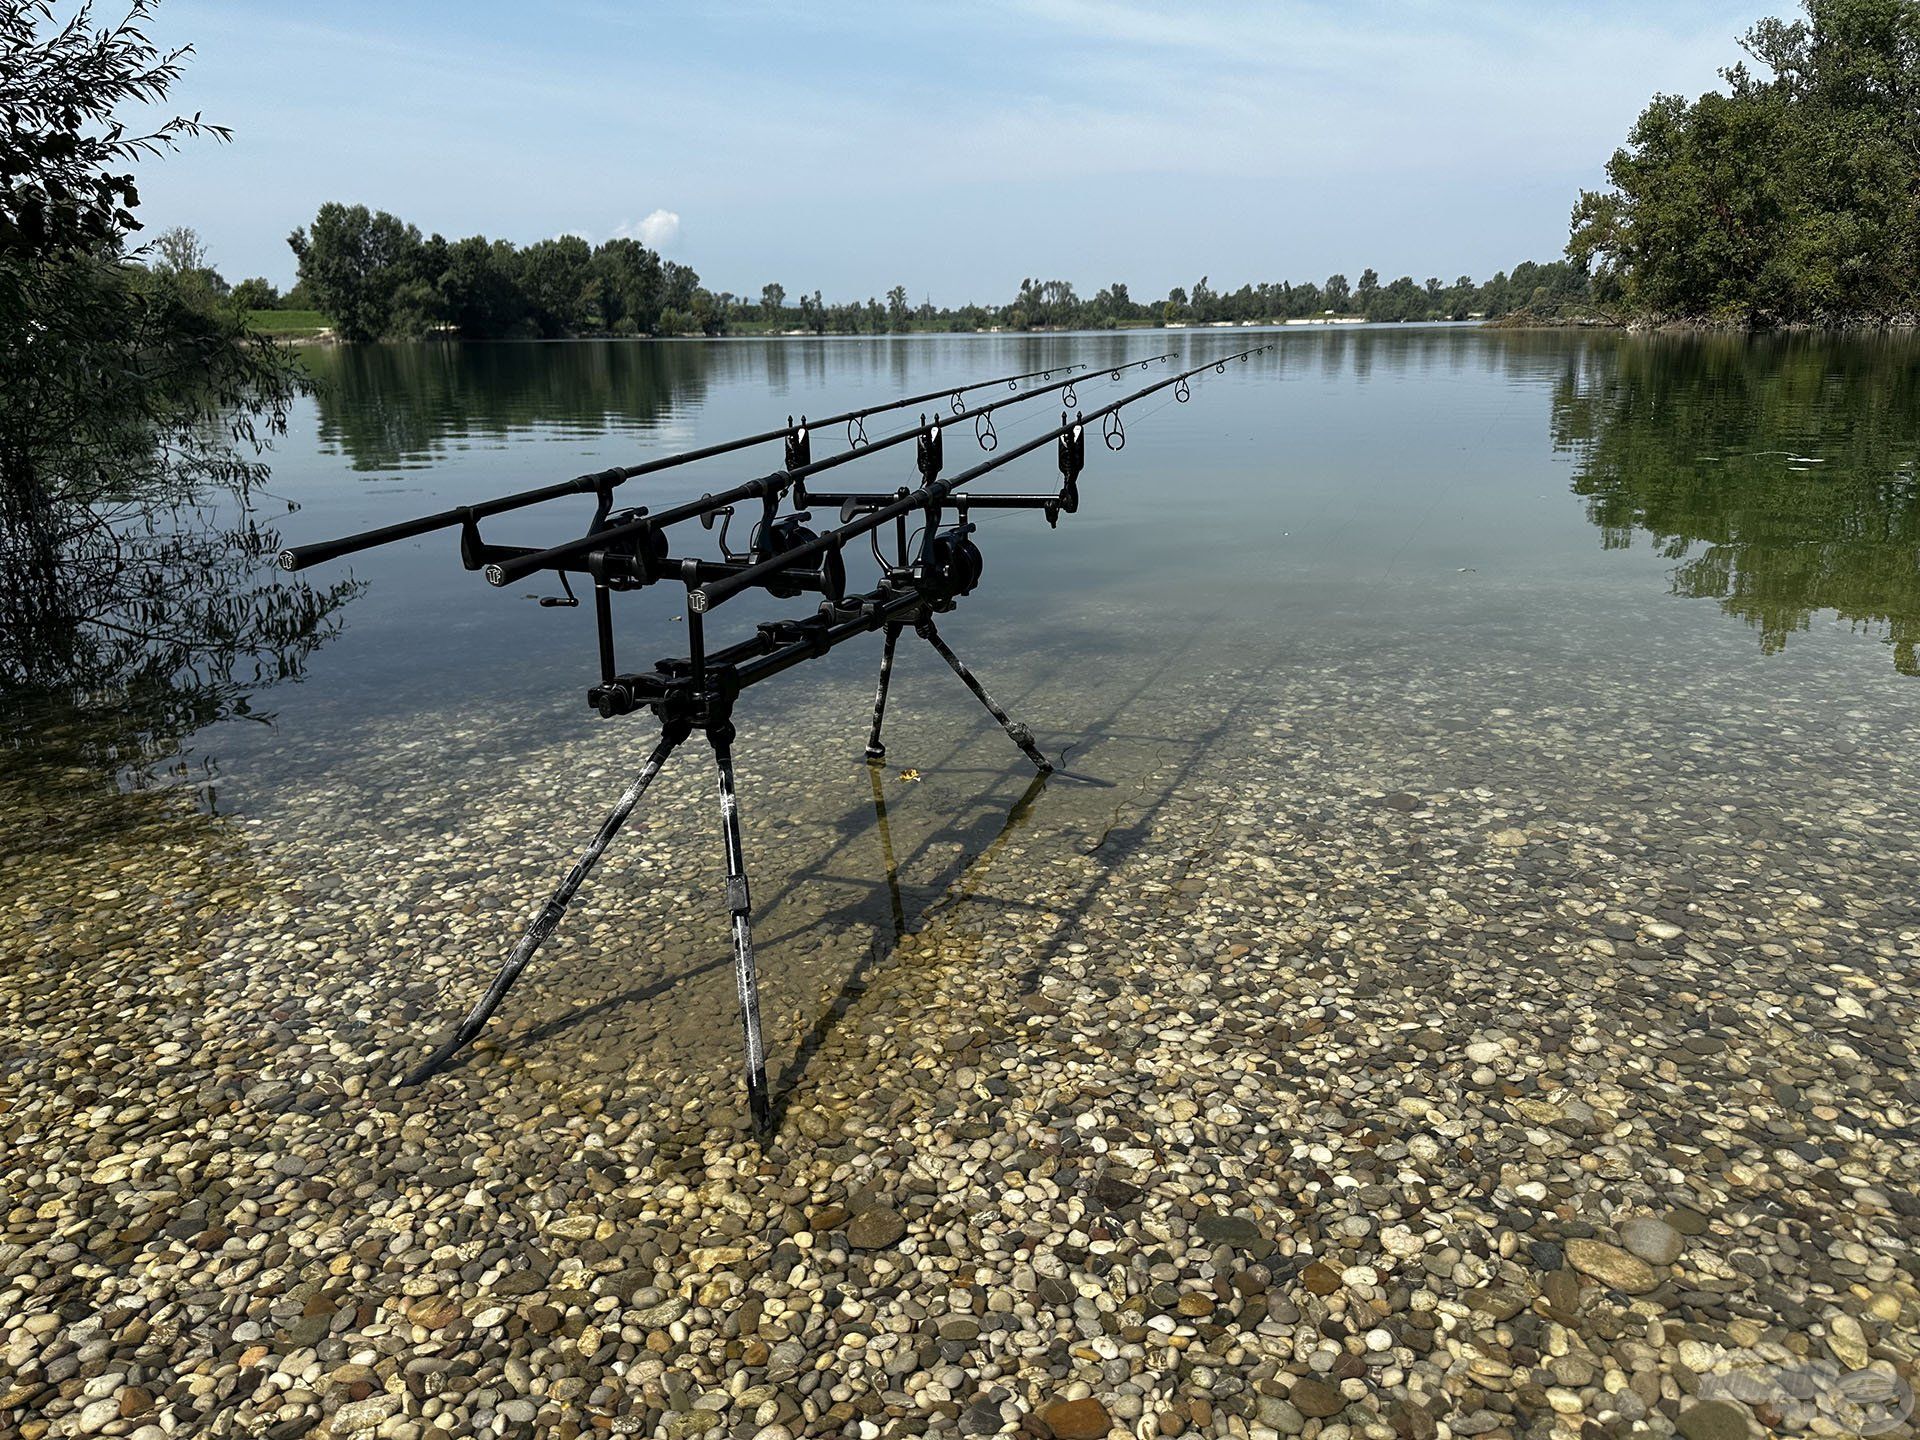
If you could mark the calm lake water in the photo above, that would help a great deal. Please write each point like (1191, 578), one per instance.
(1749, 505)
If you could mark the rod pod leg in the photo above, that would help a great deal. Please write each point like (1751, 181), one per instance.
(1018, 733)
(739, 907)
(875, 750)
(548, 920)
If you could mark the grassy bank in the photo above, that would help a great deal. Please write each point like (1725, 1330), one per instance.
(287, 322)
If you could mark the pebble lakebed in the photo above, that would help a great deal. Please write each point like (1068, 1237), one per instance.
(1398, 1049)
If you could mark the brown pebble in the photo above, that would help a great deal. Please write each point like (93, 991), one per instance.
(1077, 1419)
(1316, 1399)
(1320, 1278)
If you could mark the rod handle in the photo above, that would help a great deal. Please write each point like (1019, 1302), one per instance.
(299, 557)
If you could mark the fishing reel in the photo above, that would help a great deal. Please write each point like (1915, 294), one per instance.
(776, 537)
(627, 562)
(951, 564)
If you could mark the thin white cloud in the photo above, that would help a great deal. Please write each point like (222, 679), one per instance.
(657, 231)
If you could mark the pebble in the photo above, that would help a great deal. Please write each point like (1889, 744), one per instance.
(1208, 1102)
(1611, 1266)
(1848, 1342)
(1654, 1241)
(1713, 1420)
(1082, 1419)
(876, 1229)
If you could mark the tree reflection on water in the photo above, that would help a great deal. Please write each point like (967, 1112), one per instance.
(125, 628)
(1781, 475)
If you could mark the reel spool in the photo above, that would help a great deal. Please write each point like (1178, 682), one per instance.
(953, 564)
(771, 538)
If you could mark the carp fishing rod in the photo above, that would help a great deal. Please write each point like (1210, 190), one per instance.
(299, 557)
(698, 691)
(641, 525)
(932, 495)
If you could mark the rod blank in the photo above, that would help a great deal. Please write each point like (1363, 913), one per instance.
(704, 597)
(299, 557)
(506, 572)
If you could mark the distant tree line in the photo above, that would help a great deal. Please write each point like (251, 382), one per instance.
(374, 276)
(1794, 198)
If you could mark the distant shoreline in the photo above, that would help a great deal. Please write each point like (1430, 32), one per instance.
(1700, 324)
(323, 337)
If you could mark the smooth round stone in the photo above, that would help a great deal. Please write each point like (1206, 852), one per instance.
(1084, 1419)
(1611, 1266)
(876, 1229)
(1485, 1052)
(1316, 1398)
(1687, 1222)
(1654, 1241)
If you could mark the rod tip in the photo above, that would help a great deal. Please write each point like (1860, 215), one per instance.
(495, 575)
(289, 560)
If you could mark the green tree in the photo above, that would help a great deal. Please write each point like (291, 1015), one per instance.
(132, 418)
(255, 293)
(479, 294)
(354, 261)
(773, 300)
(1202, 304)
(899, 316)
(1789, 197)
(64, 188)
(181, 256)
(677, 284)
(553, 284)
(629, 286)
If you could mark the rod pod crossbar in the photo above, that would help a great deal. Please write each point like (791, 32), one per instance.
(920, 580)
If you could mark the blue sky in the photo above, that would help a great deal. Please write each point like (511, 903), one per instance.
(953, 148)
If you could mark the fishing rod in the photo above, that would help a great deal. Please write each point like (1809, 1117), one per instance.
(299, 557)
(699, 690)
(637, 529)
(931, 495)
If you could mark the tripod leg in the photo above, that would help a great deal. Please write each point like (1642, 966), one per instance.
(739, 907)
(1017, 732)
(548, 919)
(875, 750)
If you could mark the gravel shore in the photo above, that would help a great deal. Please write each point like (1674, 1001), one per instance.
(1347, 1045)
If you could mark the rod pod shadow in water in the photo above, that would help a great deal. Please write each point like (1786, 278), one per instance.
(923, 576)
